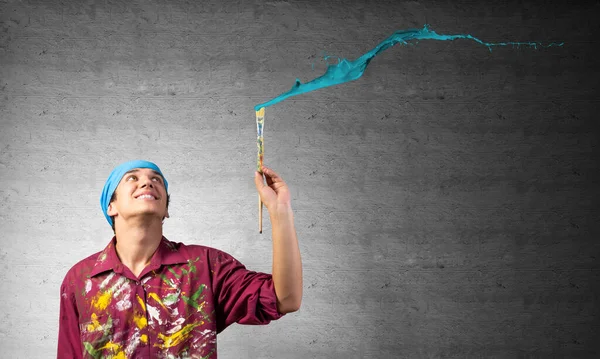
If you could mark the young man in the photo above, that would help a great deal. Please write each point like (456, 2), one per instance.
(144, 296)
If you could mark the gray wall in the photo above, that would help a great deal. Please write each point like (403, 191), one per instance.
(443, 202)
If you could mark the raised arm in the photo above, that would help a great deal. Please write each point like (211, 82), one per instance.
(287, 264)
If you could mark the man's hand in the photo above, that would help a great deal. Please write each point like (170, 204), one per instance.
(287, 264)
(275, 194)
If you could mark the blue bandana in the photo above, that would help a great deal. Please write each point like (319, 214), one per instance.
(115, 177)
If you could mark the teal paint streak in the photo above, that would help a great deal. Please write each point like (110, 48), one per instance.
(346, 70)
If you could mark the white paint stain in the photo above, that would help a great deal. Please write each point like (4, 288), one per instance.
(119, 283)
(123, 304)
(124, 287)
(203, 338)
(107, 280)
(133, 343)
(176, 326)
(154, 314)
(88, 285)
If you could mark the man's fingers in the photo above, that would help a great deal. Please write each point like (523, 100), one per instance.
(258, 180)
(271, 178)
(269, 173)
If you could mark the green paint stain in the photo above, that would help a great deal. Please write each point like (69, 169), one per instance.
(192, 267)
(178, 276)
(89, 348)
(168, 281)
(171, 298)
(193, 300)
(107, 328)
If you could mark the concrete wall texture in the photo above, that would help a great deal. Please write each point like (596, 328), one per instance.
(444, 202)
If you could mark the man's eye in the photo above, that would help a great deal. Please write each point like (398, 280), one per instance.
(157, 179)
(131, 177)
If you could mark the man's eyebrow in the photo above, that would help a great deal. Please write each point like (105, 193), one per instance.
(137, 169)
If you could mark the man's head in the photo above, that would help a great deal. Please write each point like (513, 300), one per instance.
(135, 188)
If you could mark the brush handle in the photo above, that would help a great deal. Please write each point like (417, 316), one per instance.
(260, 207)
(260, 122)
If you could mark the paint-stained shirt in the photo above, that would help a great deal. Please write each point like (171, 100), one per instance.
(174, 309)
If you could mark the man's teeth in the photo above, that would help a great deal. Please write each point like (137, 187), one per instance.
(146, 196)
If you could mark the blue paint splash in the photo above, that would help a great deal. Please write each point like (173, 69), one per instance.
(346, 70)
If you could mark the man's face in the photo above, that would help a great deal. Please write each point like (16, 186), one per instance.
(141, 192)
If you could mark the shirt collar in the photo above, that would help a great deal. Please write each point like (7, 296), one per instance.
(167, 253)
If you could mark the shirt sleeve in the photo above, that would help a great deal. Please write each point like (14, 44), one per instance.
(69, 341)
(242, 296)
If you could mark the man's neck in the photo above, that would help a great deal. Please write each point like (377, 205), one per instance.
(136, 243)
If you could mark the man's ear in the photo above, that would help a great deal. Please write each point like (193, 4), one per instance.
(111, 211)
(167, 213)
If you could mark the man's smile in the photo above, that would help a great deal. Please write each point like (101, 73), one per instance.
(146, 196)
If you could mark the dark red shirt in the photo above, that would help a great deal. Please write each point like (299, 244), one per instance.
(181, 300)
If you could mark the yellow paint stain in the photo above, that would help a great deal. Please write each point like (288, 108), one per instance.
(178, 337)
(95, 325)
(157, 299)
(144, 338)
(111, 346)
(102, 300)
(115, 348)
(142, 303)
(140, 321)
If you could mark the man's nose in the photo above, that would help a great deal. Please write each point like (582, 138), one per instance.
(147, 181)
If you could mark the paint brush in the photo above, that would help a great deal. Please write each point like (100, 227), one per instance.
(260, 121)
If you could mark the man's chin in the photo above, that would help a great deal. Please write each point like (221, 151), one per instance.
(147, 216)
